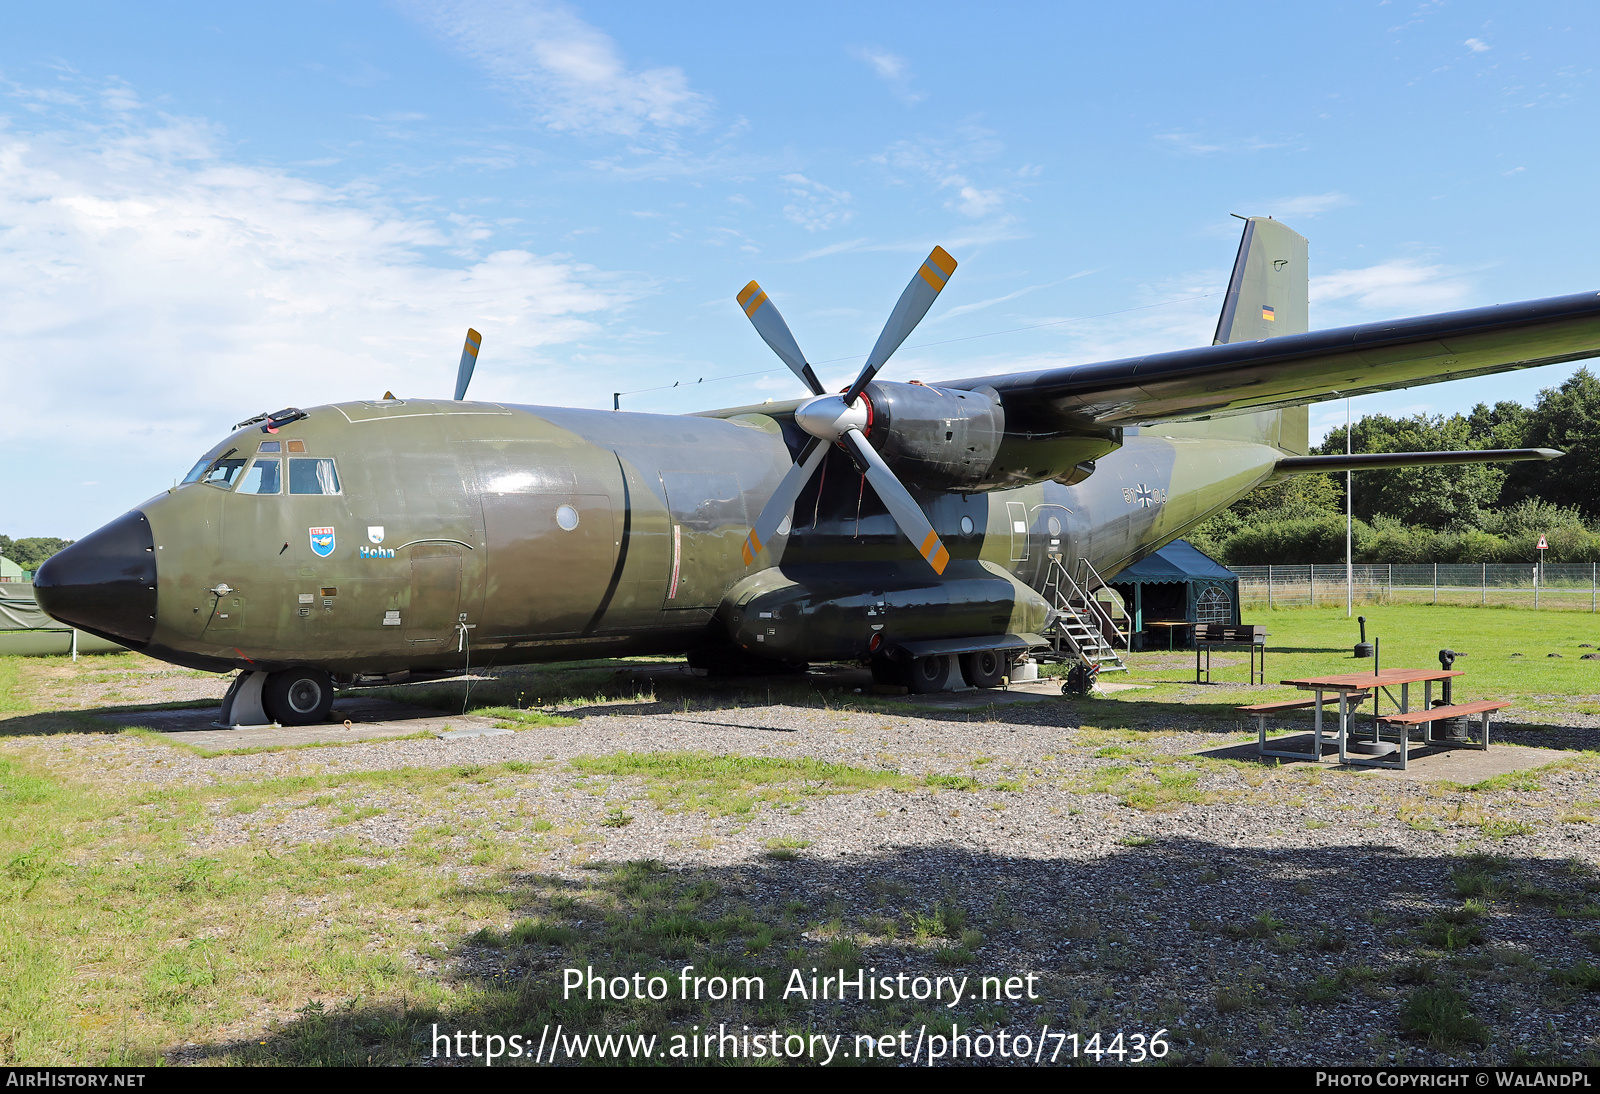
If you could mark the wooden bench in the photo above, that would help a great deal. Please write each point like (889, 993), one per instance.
(1209, 636)
(1430, 715)
(1260, 711)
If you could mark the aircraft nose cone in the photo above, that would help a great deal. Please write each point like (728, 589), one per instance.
(105, 583)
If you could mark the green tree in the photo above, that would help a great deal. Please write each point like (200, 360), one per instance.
(1565, 418)
(30, 553)
(1434, 497)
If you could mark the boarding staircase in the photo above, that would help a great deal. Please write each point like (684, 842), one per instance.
(1084, 628)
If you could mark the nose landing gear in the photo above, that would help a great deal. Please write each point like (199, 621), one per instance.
(290, 697)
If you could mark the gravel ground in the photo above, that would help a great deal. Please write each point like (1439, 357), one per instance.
(1263, 915)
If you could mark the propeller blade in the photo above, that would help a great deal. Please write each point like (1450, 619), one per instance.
(469, 358)
(781, 504)
(901, 505)
(914, 303)
(763, 315)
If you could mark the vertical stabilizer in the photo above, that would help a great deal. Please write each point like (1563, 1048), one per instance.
(1267, 295)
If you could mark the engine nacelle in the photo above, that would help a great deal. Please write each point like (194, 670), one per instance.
(939, 438)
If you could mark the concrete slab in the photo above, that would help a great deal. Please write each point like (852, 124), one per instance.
(355, 719)
(1433, 764)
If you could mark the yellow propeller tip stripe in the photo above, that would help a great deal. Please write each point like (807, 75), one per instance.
(941, 258)
(756, 301)
(747, 292)
(939, 561)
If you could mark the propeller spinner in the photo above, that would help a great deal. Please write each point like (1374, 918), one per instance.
(840, 419)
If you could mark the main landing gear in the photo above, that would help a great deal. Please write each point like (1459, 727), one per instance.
(290, 697)
(938, 672)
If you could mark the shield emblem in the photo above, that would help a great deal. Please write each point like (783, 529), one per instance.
(375, 533)
(322, 541)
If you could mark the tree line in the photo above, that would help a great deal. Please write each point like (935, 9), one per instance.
(30, 553)
(1462, 513)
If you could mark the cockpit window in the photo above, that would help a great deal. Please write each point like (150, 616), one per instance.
(198, 470)
(264, 477)
(222, 473)
(309, 476)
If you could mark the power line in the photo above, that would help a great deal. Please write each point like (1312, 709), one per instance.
(617, 395)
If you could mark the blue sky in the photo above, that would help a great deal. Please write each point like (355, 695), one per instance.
(211, 210)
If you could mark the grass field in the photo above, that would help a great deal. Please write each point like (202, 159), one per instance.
(152, 908)
(1504, 653)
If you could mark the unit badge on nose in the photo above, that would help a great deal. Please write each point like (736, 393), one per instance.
(322, 541)
(375, 533)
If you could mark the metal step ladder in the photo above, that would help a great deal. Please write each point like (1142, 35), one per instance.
(1077, 632)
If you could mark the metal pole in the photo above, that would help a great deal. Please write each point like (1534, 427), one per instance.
(1536, 585)
(1436, 583)
(74, 643)
(1484, 577)
(1391, 582)
(1349, 523)
(1312, 571)
(1269, 585)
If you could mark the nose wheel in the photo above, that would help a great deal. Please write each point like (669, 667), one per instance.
(298, 697)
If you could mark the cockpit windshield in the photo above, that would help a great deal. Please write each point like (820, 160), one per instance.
(264, 477)
(222, 473)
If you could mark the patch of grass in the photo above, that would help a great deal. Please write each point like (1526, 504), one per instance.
(786, 848)
(1439, 1015)
(515, 718)
(951, 782)
(722, 785)
(1580, 977)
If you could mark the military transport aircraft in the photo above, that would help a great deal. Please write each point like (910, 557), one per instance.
(923, 528)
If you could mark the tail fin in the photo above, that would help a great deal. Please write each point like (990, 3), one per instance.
(1268, 293)
(1268, 296)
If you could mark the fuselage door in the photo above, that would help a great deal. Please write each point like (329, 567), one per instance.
(709, 525)
(1017, 515)
(431, 616)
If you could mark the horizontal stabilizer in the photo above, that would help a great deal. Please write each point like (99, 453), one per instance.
(1388, 461)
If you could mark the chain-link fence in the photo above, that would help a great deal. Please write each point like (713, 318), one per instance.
(1560, 586)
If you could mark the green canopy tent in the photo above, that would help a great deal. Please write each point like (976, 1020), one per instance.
(1178, 584)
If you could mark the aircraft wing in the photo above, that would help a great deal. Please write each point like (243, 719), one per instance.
(1243, 377)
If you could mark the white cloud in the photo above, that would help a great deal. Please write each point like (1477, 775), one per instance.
(946, 164)
(893, 70)
(815, 207)
(570, 72)
(1477, 45)
(152, 292)
(1399, 286)
(1307, 206)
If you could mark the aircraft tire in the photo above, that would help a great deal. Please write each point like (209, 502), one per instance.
(929, 674)
(298, 697)
(985, 668)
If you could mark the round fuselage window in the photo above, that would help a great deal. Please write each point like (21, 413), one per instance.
(567, 517)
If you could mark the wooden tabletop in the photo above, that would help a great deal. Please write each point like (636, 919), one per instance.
(1361, 681)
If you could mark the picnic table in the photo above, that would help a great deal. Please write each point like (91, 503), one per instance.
(1353, 688)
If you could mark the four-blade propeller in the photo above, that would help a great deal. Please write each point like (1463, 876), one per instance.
(839, 419)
